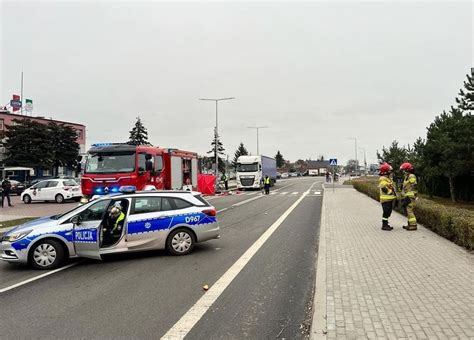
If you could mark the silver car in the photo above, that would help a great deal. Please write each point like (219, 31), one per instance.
(172, 220)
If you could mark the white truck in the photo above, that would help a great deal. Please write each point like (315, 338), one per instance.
(251, 170)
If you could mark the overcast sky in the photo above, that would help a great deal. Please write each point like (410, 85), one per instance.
(315, 73)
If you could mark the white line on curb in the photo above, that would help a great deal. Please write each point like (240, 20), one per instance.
(16, 285)
(319, 325)
(195, 313)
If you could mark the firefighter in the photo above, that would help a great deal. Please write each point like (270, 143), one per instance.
(387, 193)
(409, 194)
(266, 184)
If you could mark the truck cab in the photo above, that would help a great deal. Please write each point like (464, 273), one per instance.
(251, 170)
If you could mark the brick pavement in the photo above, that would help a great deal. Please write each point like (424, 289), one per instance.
(398, 284)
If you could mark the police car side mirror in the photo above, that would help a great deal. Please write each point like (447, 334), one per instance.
(76, 220)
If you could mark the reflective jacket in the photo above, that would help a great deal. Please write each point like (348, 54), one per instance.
(409, 186)
(386, 189)
(117, 221)
(266, 181)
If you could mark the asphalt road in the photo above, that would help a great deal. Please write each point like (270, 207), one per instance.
(143, 295)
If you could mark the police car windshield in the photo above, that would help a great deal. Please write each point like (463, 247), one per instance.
(101, 163)
(247, 167)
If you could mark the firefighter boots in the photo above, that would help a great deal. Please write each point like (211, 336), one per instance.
(410, 227)
(386, 226)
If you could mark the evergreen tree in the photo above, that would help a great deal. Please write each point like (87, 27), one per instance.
(64, 150)
(280, 161)
(139, 134)
(466, 100)
(448, 151)
(27, 144)
(32, 144)
(220, 152)
(241, 151)
(394, 155)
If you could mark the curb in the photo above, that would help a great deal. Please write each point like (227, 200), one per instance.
(319, 324)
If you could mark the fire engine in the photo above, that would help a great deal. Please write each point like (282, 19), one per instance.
(110, 166)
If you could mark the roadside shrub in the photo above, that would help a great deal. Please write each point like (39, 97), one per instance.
(453, 223)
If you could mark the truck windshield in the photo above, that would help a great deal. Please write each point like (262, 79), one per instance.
(101, 163)
(252, 167)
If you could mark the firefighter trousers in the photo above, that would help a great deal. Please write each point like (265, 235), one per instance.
(387, 208)
(410, 214)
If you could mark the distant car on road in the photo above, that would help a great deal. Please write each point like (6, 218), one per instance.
(285, 175)
(57, 190)
(172, 220)
(17, 187)
(293, 174)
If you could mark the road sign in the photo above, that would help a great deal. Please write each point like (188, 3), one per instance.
(333, 161)
(15, 103)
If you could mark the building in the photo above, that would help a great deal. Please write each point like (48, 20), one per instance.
(317, 168)
(7, 118)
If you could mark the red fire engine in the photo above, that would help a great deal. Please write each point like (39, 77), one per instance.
(112, 165)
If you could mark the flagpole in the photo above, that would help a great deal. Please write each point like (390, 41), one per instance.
(21, 95)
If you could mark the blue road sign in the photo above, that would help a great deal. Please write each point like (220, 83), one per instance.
(15, 103)
(333, 161)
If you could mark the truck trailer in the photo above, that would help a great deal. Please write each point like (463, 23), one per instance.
(251, 170)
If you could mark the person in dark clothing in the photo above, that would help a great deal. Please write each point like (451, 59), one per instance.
(6, 189)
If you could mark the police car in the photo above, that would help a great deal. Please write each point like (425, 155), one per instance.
(172, 220)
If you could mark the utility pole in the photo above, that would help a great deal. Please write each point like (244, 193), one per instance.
(257, 128)
(216, 133)
(356, 159)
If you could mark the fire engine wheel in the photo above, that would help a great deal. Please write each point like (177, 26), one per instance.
(27, 199)
(47, 254)
(59, 198)
(180, 242)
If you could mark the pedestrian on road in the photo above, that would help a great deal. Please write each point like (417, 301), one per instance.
(387, 194)
(266, 184)
(6, 188)
(328, 177)
(225, 179)
(409, 194)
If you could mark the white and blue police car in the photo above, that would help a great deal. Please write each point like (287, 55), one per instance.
(172, 220)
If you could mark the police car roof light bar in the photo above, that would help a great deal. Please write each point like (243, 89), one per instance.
(128, 189)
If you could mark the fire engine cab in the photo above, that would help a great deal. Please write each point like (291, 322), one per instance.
(110, 166)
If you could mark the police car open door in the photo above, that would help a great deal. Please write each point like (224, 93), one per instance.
(87, 230)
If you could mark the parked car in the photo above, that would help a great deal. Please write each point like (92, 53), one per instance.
(172, 220)
(285, 175)
(57, 190)
(17, 187)
(293, 174)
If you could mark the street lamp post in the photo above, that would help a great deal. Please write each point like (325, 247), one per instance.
(216, 133)
(257, 128)
(355, 148)
(365, 161)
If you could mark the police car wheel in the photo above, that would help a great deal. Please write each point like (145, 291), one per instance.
(27, 199)
(180, 242)
(47, 254)
(59, 198)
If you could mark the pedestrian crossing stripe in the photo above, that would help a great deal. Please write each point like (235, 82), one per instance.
(295, 193)
(283, 193)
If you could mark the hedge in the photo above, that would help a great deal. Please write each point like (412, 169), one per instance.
(453, 223)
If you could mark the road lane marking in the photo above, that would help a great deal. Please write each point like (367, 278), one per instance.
(283, 193)
(184, 325)
(22, 283)
(317, 192)
(295, 193)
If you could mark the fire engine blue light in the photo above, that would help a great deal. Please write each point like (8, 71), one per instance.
(98, 190)
(115, 189)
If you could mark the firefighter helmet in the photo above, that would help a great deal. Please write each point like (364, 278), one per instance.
(385, 168)
(406, 167)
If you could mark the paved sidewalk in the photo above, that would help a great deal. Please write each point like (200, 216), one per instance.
(388, 284)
